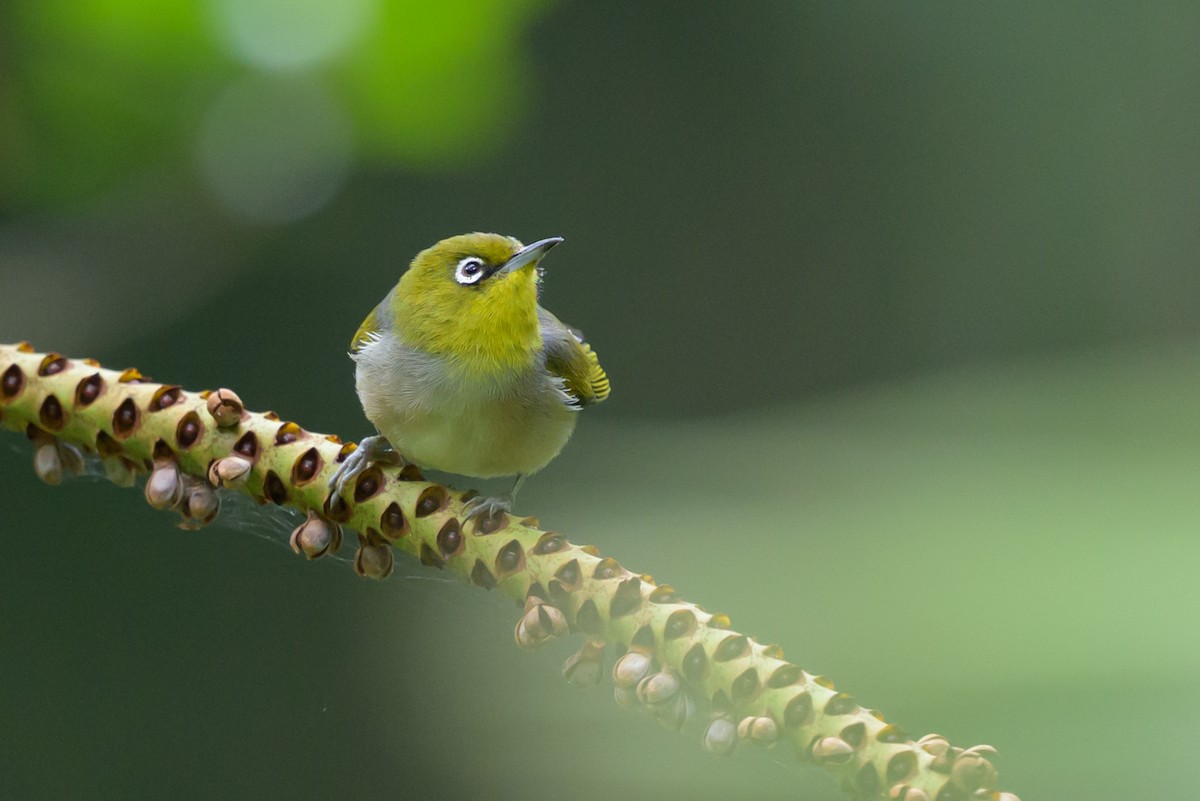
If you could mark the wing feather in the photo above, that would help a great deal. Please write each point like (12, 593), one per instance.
(375, 324)
(572, 359)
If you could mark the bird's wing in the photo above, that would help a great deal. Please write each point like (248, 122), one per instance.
(572, 360)
(377, 323)
(366, 332)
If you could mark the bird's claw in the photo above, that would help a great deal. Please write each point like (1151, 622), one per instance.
(486, 508)
(372, 450)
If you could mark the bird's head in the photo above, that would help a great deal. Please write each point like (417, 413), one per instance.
(473, 297)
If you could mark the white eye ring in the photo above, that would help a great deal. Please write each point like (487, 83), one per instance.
(469, 270)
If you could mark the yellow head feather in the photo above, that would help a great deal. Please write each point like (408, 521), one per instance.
(487, 327)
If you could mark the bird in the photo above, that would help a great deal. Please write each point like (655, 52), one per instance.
(460, 369)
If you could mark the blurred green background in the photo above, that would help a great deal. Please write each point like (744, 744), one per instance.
(899, 301)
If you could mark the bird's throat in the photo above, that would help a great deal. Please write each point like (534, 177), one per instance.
(486, 333)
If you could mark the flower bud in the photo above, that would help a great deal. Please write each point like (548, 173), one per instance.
(972, 771)
(164, 487)
(832, 749)
(675, 712)
(658, 688)
(71, 457)
(632, 667)
(119, 470)
(316, 537)
(720, 737)
(585, 667)
(625, 696)
(200, 504)
(374, 558)
(760, 730)
(230, 471)
(47, 462)
(225, 407)
(934, 744)
(540, 624)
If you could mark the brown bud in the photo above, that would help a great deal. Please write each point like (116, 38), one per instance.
(760, 730)
(625, 696)
(972, 772)
(119, 470)
(585, 667)
(230, 471)
(675, 712)
(658, 688)
(632, 667)
(902, 792)
(225, 407)
(832, 749)
(374, 557)
(934, 744)
(47, 463)
(71, 457)
(316, 537)
(540, 624)
(720, 737)
(200, 504)
(164, 487)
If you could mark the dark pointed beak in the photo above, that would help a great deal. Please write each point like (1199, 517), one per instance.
(529, 255)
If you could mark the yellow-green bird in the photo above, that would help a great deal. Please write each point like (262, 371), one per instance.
(460, 369)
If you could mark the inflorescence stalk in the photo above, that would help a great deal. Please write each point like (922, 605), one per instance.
(674, 659)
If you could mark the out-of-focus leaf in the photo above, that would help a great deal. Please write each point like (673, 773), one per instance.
(433, 82)
(96, 93)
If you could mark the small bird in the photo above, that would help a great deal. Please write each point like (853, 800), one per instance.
(460, 369)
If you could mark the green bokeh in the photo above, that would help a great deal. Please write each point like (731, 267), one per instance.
(899, 304)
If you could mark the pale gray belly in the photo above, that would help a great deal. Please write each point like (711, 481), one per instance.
(437, 418)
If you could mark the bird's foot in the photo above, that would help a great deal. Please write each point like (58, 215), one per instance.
(372, 450)
(486, 508)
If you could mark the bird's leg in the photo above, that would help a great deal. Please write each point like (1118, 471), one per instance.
(372, 450)
(490, 507)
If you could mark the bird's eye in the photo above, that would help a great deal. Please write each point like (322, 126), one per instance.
(469, 270)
